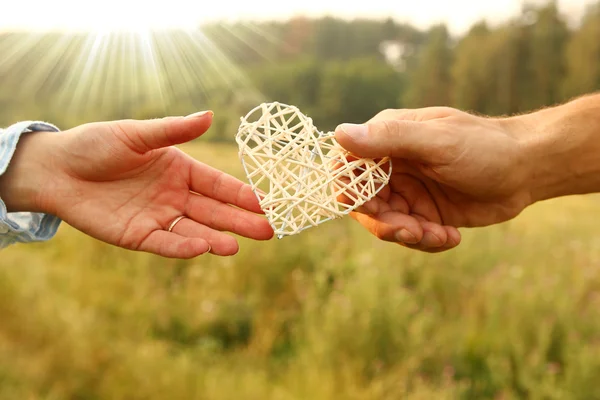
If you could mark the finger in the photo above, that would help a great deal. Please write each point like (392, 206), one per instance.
(143, 136)
(388, 202)
(377, 204)
(223, 187)
(351, 200)
(352, 186)
(454, 236)
(220, 243)
(223, 217)
(395, 138)
(373, 206)
(434, 235)
(415, 114)
(417, 196)
(383, 201)
(392, 226)
(453, 241)
(169, 244)
(426, 250)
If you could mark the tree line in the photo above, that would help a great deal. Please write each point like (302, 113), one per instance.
(335, 70)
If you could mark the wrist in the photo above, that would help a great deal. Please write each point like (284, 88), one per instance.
(26, 184)
(562, 149)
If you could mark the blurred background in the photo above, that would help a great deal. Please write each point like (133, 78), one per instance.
(332, 313)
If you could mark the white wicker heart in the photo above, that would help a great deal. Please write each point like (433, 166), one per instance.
(301, 176)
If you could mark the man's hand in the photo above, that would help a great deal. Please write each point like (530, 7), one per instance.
(452, 169)
(122, 182)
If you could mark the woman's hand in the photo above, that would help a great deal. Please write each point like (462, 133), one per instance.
(122, 182)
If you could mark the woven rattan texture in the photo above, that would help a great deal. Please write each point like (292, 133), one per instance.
(301, 176)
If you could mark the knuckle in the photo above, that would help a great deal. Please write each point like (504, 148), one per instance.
(447, 110)
(239, 196)
(440, 112)
(218, 185)
(388, 113)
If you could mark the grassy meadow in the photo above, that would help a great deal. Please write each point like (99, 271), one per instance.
(332, 313)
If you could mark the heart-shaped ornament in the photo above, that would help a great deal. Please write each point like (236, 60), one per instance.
(301, 176)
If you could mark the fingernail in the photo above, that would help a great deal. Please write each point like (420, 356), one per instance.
(405, 236)
(200, 114)
(355, 131)
(431, 240)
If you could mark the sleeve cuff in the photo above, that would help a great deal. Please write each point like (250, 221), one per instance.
(23, 227)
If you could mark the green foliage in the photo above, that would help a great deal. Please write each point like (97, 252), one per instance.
(332, 313)
(583, 56)
(335, 70)
(429, 75)
(355, 92)
(547, 39)
(514, 68)
(471, 71)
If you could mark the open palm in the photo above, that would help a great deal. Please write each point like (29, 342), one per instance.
(124, 183)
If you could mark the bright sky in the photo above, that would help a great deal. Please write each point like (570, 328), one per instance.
(144, 14)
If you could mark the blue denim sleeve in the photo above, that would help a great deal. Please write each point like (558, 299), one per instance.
(22, 227)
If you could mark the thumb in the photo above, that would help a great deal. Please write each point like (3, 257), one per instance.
(143, 136)
(390, 138)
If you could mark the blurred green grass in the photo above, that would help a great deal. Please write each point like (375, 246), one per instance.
(332, 313)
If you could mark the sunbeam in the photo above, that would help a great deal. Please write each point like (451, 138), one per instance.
(120, 74)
